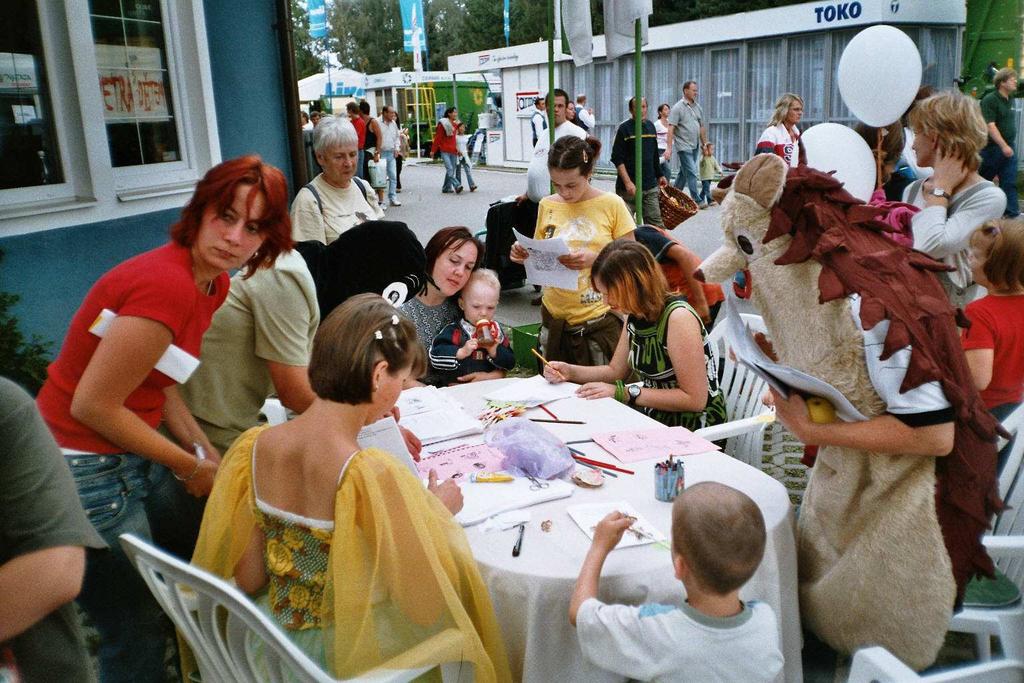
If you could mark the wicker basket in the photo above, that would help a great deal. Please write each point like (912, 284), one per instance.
(676, 206)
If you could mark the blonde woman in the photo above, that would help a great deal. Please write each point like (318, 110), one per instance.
(949, 133)
(782, 137)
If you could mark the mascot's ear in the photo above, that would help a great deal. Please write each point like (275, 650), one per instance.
(400, 291)
(762, 179)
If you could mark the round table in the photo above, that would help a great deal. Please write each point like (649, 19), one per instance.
(531, 592)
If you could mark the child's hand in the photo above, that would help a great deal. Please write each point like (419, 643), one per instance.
(468, 348)
(556, 372)
(609, 531)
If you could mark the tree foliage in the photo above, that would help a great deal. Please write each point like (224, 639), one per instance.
(21, 360)
(307, 60)
(366, 35)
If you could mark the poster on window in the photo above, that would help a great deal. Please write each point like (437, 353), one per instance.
(18, 73)
(132, 83)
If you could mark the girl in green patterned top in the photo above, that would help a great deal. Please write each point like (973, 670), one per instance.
(664, 342)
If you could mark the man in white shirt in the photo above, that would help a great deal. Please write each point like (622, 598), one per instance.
(539, 120)
(388, 144)
(538, 180)
(584, 116)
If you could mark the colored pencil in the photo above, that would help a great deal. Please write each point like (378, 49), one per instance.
(569, 443)
(561, 422)
(545, 362)
(593, 467)
(544, 408)
(604, 464)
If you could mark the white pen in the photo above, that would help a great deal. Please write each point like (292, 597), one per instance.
(198, 449)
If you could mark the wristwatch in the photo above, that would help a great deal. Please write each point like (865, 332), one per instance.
(633, 390)
(939, 192)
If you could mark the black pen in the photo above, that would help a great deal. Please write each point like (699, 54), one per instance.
(519, 541)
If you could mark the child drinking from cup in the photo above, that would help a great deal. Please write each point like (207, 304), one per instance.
(475, 343)
(718, 539)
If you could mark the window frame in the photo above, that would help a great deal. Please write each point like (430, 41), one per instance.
(93, 190)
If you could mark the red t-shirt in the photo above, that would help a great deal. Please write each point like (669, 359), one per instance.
(157, 285)
(997, 322)
(360, 127)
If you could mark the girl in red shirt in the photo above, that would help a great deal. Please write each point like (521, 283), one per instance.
(994, 343)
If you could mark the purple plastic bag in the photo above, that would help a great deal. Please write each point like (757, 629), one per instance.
(530, 450)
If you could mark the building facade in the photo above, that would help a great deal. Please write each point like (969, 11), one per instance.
(741, 62)
(110, 111)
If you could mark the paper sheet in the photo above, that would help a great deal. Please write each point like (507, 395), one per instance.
(543, 267)
(533, 391)
(384, 434)
(641, 532)
(432, 417)
(461, 461)
(481, 501)
(780, 377)
(660, 442)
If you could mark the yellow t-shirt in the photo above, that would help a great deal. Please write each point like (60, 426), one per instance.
(590, 224)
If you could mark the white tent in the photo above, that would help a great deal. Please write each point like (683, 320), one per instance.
(345, 82)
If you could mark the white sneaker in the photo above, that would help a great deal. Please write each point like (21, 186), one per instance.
(395, 202)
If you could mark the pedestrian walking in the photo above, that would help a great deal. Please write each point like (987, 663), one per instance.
(624, 160)
(688, 137)
(998, 158)
(445, 145)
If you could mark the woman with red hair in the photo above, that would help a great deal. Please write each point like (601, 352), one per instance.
(135, 336)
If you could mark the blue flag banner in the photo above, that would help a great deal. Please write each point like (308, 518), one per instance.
(317, 18)
(507, 23)
(415, 38)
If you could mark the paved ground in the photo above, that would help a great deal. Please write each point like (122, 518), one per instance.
(426, 210)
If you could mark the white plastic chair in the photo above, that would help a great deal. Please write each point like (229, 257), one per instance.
(274, 411)
(878, 665)
(743, 390)
(1006, 546)
(215, 618)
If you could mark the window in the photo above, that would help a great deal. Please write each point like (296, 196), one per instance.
(134, 82)
(29, 154)
(111, 121)
(722, 105)
(807, 64)
(764, 85)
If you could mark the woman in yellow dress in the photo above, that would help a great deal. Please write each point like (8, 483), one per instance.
(360, 564)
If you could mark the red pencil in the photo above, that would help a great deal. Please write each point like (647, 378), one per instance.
(603, 464)
(542, 407)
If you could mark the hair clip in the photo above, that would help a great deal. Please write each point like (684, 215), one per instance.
(377, 334)
(585, 159)
(394, 319)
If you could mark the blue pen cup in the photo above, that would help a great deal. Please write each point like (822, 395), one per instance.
(669, 481)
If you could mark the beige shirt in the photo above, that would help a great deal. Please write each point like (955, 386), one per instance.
(342, 209)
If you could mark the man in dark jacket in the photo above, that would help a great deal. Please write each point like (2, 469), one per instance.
(624, 159)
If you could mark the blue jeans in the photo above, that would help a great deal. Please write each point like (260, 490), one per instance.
(666, 168)
(994, 163)
(451, 180)
(458, 173)
(705, 192)
(389, 160)
(360, 160)
(687, 177)
(124, 493)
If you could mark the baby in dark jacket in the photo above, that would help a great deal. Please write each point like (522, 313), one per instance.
(476, 343)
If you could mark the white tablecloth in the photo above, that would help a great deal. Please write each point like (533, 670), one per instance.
(531, 592)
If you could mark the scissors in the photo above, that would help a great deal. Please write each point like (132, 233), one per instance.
(537, 484)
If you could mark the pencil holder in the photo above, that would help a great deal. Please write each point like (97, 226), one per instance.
(668, 480)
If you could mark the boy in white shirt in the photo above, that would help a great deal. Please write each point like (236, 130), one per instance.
(718, 539)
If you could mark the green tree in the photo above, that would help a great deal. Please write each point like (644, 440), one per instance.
(367, 35)
(21, 360)
(307, 60)
(445, 31)
(482, 26)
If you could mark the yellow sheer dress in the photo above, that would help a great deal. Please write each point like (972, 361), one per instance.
(394, 571)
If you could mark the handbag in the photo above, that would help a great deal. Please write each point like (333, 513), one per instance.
(378, 174)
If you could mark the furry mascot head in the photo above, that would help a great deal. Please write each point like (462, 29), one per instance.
(886, 542)
(382, 257)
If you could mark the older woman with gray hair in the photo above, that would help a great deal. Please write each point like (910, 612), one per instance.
(335, 200)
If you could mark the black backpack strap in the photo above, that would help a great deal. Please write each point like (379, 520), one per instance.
(362, 188)
(316, 196)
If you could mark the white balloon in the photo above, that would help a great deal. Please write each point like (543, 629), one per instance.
(833, 147)
(879, 74)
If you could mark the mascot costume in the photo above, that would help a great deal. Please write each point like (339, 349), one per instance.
(886, 543)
